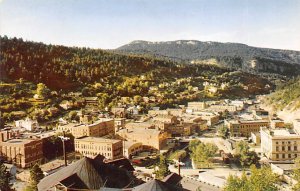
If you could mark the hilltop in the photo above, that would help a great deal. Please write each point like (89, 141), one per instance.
(113, 75)
(231, 55)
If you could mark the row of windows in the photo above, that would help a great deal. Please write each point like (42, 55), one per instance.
(288, 148)
(95, 153)
(288, 156)
(93, 147)
(288, 142)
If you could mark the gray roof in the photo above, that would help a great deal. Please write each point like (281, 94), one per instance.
(156, 185)
(89, 174)
(83, 169)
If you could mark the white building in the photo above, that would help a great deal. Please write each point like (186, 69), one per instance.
(280, 144)
(28, 124)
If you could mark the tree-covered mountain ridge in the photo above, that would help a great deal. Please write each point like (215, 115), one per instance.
(232, 55)
(100, 71)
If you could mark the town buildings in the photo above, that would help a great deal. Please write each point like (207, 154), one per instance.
(280, 144)
(243, 128)
(93, 146)
(223, 108)
(99, 128)
(196, 106)
(24, 152)
(132, 148)
(152, 139)
(28, 124)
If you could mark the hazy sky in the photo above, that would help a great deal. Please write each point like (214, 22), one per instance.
(112, 23)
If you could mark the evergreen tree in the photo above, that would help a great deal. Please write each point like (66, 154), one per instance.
(42, 90)
(4, 178)
(163, 168)
(36, 174)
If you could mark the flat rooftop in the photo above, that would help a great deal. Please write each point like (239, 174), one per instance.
(248, 121)
(142, 131)
(78, 125)
(19, 141)
(281, 132)
(98, 140)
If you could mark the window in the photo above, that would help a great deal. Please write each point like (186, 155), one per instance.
(277, 148)
(277, 156)
(283, 148)
(289, 148)
(295, 148)
(289, 156)
(276, 142)
(283, 156)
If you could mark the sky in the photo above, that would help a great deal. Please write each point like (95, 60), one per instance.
(109, 24)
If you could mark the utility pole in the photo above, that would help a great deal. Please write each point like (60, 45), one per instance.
(179, 166)
(63, 139)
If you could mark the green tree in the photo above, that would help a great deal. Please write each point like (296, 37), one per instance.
(137, 99)
(4, 178)
(72, 115)
(296, 174)
(202, 154)
(163, 168)
(244, 155)
(223, 131)
(193, 144)
(42, 90)
(262, 179)
(36, 174)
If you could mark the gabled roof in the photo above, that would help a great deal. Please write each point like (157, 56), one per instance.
(172, 178)
(82, 169)
(156, 185)
(123, 163)
(90, 174)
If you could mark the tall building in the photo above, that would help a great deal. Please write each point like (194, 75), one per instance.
(23, 152)
(97, 129)
(244, 128)
(196, 106)
(93, 146)
(280, 144)
(150, 138)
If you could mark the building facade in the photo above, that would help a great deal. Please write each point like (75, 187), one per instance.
(244, 128)
(93, 146)
(196, 106)
(151, 138)
(23, 152)
(98, 129)
(280, 144)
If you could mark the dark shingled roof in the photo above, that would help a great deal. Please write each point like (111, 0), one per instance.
(88, 173)
(123, 163)
(172, 178)
(156, 185)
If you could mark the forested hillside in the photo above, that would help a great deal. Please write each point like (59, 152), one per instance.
(286, 95)
(231, 55)
(61, 67)
(113, 78)
(76, 69)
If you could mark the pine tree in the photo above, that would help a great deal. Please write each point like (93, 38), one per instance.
(163, 168)
(4, 178)
(36, 174)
